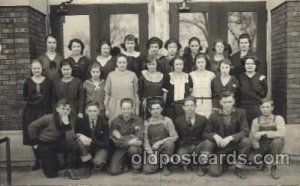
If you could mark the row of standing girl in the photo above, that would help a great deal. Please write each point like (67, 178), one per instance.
(111, 78)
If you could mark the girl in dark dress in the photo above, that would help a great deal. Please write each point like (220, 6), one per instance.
(223, 82)
(244, 42)
(172, 46)
(78, 61)
(51, 59)
(150, 85)
(253, 88)
(190, 52)
(130, 50)
(219, 49)
(177, 85)
(37, 95)
(105, 59)
(70, 88)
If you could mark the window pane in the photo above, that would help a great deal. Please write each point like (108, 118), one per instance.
(71, 30)
(122, 25)
(193, 24)
(239, 23)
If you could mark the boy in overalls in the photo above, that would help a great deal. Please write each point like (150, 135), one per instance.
(160, 136)
(267, 134)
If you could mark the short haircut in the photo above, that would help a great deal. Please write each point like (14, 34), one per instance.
(103, 42)
(127, 100)
(94, 65)
(220, 41)
(91, 103)
(244, 36)
(154, 40)
(169, 41)
(76, 41)
(190, 98)
(267, 100)
(49, 36)
(36, 60)
(250, 56)
(63, 102)
(131, 37)
(150, 59)
(65, 63)
(204, 56)
(225, 61)
(177, 58)
(155, 102)
(197, 40)
(226, 93)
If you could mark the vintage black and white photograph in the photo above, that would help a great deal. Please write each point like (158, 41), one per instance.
(149, 92)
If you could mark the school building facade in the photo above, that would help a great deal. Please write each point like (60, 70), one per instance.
(273, 24)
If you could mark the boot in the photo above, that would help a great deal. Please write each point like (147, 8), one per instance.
(166, 171)
(87, 169)
(201, 171)
(274, 172)
(70, 174)
(240, 173)
(36, 164)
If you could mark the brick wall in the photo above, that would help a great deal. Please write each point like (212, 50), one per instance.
(286, 60)
(22, 32)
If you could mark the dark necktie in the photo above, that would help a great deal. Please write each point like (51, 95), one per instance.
(189, 122)
(93, 125)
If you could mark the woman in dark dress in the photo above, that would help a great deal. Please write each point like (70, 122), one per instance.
(105, 59)
(190, 52)
(219, 49)
(51, 59)
(134, 58)
(253, 88)
(223, 82)
(244, 42)
(37, 95)
(173, 47)
(150, 85)
(177, 85)
(78, 61)
(70, 88)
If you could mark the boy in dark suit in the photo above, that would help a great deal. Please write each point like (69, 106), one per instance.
(190, 128)
(228, 129)
(92, 134)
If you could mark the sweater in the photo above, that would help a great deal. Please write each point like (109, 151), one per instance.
(46, 130)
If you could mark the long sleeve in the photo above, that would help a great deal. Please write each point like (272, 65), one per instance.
(190, 84)
(107, 90)
(54, 93)
(25, 90)
(166, 83)
(244, 128)
(147, 145)
(81, 97)
(141, 87)
(105, 142)
(36, 126)
(280, 126)
(173, 136)
(136, 87)
(262, 88)
(123, 142)
(209, 130)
